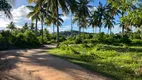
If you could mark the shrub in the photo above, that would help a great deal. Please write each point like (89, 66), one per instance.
(78, 40)
(125, 40)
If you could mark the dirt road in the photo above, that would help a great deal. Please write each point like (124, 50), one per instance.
(36, 64)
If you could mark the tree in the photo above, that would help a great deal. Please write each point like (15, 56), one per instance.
(34, 15)
(25, 27)
(109, 23)
(64, 5)
(93, 20)
(6, 7)
(124, 6)
(100, 13)
(82, 13)
(32, 28)
(110, 12)
(11, 26)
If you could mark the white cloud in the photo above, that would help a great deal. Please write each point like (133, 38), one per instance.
(19, 17)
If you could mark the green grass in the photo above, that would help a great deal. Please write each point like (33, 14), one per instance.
(116, 62)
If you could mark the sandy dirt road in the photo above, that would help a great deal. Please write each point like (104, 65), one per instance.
(36, 64)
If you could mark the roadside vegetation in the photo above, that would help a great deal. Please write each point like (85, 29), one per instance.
(110, 55)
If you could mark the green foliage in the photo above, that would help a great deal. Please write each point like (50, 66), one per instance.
(28, 39)
(125, 39)
(78, 40)
(114, 61)
(8, 40)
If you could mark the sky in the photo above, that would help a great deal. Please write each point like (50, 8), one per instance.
(20, 12)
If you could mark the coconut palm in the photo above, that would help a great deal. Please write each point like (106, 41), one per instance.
(11, 26)
(54, 6)
(109, 23)
(32, 28)
(82, 13)
(100, 13)
(5, 7)
(123, 6)
(34, 15)
(25, 27)
(93, 20)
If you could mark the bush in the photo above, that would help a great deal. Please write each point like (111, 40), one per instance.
(78, 40)
(26, 40)
(125, 40)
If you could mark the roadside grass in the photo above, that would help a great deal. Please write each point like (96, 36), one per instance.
(115, 62)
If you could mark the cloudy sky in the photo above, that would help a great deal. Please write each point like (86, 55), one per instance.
(20, 12)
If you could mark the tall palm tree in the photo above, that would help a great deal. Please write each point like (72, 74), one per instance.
(53, 6)
(100, 13)
(82, 13)
(11, 26)
(34, 15)
(109, 23)
(93, 20)
(64, 5)
(109, 14)
(123, 6)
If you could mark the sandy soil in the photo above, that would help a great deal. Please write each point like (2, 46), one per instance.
(36, 64)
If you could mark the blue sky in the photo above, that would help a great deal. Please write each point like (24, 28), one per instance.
(20, 17)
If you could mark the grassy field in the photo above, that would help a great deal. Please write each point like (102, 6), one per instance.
(116, 62)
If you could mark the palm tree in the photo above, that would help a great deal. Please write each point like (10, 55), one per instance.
(11, 26)
(34, 15)
(93, 20)
(25, 27)
(109, 23)
(64, 5)
(53, 6)
(32, 27)
(6, 7)
(100, 13)
(123, 6)
(82, 13)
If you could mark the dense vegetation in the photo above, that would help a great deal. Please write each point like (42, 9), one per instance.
(110, 55)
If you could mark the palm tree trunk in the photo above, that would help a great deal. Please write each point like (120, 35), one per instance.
(71, 23)
(53, 28)
(122, 30)
(57, 24)
(36, 27)
(96, 30)
(110, 30)
(79, 32)
(42, 29)
(93, 30)
(100, 30)
(123, 25)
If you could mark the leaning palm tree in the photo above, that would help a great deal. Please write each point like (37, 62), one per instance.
(11, 26)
